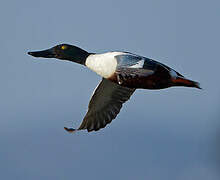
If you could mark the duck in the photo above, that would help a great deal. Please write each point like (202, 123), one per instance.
(122, 73)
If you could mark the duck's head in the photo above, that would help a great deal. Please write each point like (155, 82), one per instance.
(64, 52)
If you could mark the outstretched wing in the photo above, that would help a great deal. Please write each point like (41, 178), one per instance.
(104, 105)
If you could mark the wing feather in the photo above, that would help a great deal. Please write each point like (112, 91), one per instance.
(105, 104)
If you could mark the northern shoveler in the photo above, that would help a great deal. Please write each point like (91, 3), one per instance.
(122, 73)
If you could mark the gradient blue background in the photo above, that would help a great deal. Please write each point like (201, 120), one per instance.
(167, 134)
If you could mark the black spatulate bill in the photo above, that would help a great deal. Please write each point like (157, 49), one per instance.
(49, 53)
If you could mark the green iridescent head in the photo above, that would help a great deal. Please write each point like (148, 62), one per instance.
(63, 52)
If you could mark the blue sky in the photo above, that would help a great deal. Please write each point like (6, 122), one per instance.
(165, 134)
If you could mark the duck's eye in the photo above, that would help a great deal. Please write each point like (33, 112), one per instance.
(63, 47)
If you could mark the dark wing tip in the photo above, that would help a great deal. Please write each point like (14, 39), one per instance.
(70, 130)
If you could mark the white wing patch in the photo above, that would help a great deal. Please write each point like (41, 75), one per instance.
(103, 64)
(139, 64)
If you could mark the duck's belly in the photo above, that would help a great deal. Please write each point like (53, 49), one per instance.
(150, 82)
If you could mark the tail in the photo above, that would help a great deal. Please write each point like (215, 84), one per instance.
(181, 81)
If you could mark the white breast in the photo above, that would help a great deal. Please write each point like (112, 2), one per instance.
(103, 64)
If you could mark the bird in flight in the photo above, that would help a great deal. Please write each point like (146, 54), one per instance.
(122, 73)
